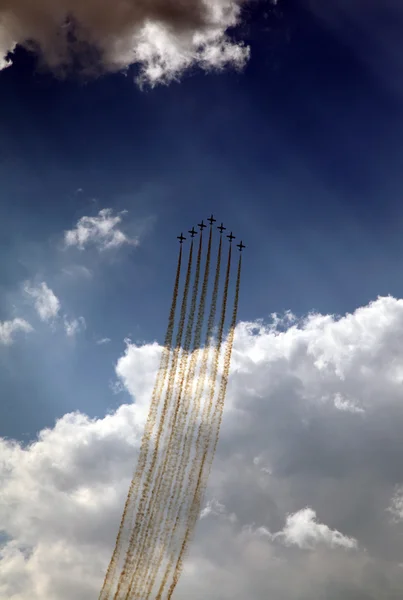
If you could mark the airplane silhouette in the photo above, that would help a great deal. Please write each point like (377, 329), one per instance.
(231, 237)
(240, 246)
(192, 232)
(221, 228)
(211, 220)
(201, 225)
(181, 238)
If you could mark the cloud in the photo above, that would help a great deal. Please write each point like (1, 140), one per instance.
(162, 37)
(303, 530)
(46, 303)
(9, 328)
(77, 271)
(284, 445)
(344, 404)
(101, 231)
(73, 326)
(396, 505)
(103, 341)
(214, 508)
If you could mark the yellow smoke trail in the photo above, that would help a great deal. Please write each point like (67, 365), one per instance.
(174, 471)
(140, 517)
(144, 447)
(216, 422)
(199, 393)
(148, 541)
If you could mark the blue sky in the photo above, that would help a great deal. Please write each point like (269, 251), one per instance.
(299, 153)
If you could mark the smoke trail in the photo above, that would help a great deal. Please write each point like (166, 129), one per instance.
(164, 476)
(203, 475)
(146, 487)
(140, 513)
(199, 389)
(144, 447)
(178, 468)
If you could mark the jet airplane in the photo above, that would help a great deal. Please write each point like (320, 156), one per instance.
(181, 238)
(192, 232)
(240, 246)
(201, 225)
(211, 220)
(221, 228)
(231, 237)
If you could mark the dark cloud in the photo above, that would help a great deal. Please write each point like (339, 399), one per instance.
(163, 37)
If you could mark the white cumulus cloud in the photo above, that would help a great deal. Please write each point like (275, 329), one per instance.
(162, 37)
(9, 328)
(303, 530)
(46, 302)
(102, 231)
(61, 497)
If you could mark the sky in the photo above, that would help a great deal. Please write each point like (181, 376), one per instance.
(121, 126)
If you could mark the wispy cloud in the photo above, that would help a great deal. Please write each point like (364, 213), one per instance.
(74, 326)
(101, 231)
(103, 341)
(46, 303)
(77, 271)
(346, 405)
(214, 508)
(9, 328)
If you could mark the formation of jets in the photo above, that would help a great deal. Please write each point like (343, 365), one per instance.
(220, 228)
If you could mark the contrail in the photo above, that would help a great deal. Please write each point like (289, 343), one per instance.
(210, 391)
(217, 417)
(179, 461)
(149, 427)
(194, 412)
(127, 567)
(180, 437)
(164, 476)
(140, 519)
